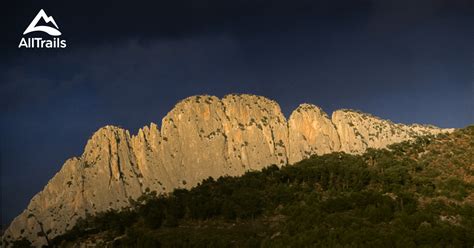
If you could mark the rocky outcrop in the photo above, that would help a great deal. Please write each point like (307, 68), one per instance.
(311, 132)
(359, 131)
(201, 137)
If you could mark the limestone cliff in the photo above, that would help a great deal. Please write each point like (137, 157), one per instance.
(311, 132)
(201, 137)
(359, 131)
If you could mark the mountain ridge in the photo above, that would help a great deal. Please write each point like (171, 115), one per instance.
(415, 193)
(202, 136)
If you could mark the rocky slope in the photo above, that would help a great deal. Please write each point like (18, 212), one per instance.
(201, 137)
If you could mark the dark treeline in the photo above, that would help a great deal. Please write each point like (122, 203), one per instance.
(415, 194)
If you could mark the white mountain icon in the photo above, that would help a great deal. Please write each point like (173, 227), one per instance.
(49, 30)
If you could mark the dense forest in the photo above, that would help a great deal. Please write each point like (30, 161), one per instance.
(413, 194)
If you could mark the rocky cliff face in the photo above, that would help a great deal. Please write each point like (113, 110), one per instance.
(311, 132)
(359, 131)
(201, 137)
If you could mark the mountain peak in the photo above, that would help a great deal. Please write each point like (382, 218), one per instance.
(202, 136)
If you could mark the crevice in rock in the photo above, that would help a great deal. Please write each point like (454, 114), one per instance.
(119, 168)
(132, 158)
(110, 163)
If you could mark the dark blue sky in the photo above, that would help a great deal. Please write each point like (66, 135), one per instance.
(128, 64)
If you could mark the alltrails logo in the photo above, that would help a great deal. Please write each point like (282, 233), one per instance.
(38, 42)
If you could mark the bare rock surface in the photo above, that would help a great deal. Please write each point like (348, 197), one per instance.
(311, 132)
(201, 137)
(359, 131)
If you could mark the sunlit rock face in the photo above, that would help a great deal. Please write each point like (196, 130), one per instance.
(201, 137)
(311, 132)
(359, 131)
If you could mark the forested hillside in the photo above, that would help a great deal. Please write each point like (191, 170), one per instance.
(418, 193)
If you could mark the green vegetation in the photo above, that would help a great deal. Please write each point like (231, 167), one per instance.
(414, 194)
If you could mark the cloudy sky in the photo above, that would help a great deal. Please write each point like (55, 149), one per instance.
(128, 63)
